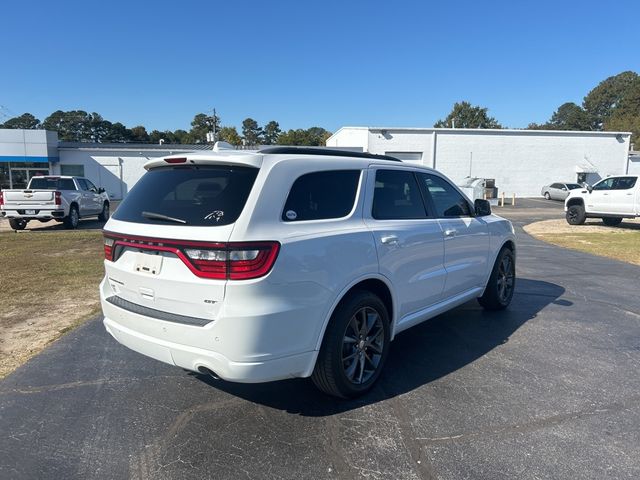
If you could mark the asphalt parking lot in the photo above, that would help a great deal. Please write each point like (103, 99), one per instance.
(547, 389)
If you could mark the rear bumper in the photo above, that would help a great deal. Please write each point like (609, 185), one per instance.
(173, 343)
(192, 358)
(40, 213)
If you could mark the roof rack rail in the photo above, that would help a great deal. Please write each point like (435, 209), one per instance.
(332, 152)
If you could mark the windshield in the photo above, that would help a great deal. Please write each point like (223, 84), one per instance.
(51, 183)
(194, 195)
(573, 186)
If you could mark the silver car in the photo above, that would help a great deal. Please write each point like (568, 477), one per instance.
(558, 191)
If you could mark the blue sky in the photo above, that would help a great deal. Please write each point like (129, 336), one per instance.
(310, 63)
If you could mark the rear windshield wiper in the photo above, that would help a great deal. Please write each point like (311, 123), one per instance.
(159, 216)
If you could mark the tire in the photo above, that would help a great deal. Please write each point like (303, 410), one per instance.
(350, 360)
(612, 221)
(71, 220)
(547, 196)
(575, 215)
(502, 282)
(104, 215)
(17, 223)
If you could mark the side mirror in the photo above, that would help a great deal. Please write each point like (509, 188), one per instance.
(482, 207)
(564, 189)
(100, 190)
(590, 188)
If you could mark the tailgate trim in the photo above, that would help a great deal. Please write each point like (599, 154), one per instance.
(157, 314)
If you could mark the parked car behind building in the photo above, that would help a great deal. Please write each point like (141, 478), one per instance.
(558, 191)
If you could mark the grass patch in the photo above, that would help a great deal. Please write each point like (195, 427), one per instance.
(48, 285)
(624, 247)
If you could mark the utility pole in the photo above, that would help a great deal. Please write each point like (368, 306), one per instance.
(212, 135)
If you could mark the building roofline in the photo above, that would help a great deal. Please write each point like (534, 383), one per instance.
(132, 146)
(481, 130)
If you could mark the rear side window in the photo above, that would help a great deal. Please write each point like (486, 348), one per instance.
(322, 195)
(397, 196)
(624, 183)
(46, 183)
(195, 196)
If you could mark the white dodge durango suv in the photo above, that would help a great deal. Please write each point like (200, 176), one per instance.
(294, 262)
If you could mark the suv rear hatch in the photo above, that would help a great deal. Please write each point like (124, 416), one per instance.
(167, 245)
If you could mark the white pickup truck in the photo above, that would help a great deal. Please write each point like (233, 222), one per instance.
(611, 199)
(61, 198)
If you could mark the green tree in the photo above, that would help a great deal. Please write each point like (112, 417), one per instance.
(570, 116)
(181, 136)
(203, 124)
(25, 121)
(293, 137)
(230, 135)
(313, 137)
(465, 115)
(72, 126)
(317, 136)
(139, 134)
(626, 115)
(601, 102)
(118, 133)
(271, 132)
(251, 132)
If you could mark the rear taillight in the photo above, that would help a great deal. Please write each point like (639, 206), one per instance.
(108, 248)
(223, 261)
(1, 198)
(58, 198)
(235, 261)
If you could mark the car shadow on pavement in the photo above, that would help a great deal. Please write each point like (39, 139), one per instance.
(417, 357)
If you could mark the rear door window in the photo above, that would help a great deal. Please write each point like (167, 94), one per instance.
(624, 183)
(397, 196)
(196, 196)
(322, 195)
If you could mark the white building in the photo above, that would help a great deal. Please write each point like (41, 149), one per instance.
(521, 161)
(24, 153)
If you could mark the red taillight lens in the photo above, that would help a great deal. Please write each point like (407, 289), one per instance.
(58, 198)
(108, 248)
(238, 261)
(211, 262)
(1, 198)
(252, 260)
(223, 261)
(175, 160)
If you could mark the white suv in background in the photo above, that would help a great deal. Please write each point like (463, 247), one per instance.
(294, 262)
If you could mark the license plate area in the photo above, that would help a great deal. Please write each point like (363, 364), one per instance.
(29, 212)
(148, 263)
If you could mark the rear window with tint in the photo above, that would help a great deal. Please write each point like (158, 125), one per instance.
(44, 183)
(195, 195)
(322, 195)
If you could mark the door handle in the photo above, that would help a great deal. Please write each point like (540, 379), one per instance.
(389, 239)
(450, 232)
